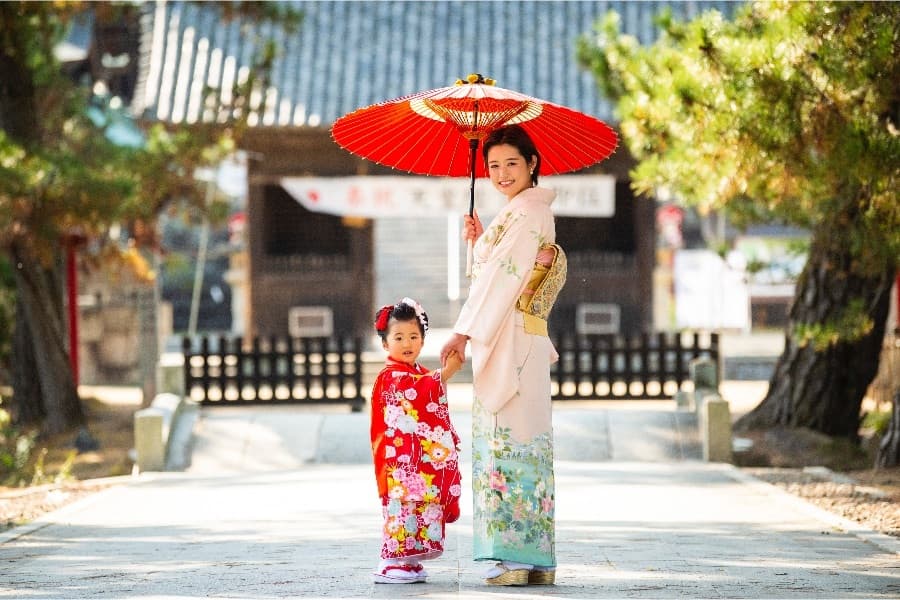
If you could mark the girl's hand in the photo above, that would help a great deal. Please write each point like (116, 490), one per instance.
(473, 227)
(452, 364)
(457, 344)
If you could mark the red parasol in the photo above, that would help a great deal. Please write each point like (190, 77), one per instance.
(437, 132)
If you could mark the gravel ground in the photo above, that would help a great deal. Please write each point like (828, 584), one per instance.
(874, 506)
(19, 506)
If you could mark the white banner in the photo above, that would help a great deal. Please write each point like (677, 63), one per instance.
(388, 196)
(708, 293)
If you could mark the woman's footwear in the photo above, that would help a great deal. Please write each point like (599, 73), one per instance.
(400, 573)
(542, 577)
(502, 574)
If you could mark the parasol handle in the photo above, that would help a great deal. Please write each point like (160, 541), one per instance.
(473, 148)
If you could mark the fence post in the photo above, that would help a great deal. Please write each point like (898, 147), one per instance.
(222, 380)
(255, 375)
(645, 363)
(187, 350)
(357, 375)
(679, 359)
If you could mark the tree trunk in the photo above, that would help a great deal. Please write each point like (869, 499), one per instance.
(823, 389)
(889, 447)
(26, 402)
(42, 370)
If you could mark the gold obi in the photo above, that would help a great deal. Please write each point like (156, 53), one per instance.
(543, 287)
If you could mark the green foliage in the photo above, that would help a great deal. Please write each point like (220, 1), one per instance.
(18, 464)
(851, 324)
(63, 178)
(877, 421)
(790, 113)
(40, 476)
(63, 175)
(16, 447)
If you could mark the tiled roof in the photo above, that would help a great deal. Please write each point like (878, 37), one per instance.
(352, 54)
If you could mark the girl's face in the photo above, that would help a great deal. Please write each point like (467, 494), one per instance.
(403, 341)
(510, 171)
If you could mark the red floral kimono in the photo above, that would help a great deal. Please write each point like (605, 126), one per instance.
(414, 447)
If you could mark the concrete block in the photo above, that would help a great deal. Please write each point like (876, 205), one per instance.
(697, 397)
(704, 374)
(684, 400)
(715, 429)
(149, 443)
(167, 402)
(170, 374)
(119, 350)
(90, 326)
(152, 427)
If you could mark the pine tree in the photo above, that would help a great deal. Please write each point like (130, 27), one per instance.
(789, 112)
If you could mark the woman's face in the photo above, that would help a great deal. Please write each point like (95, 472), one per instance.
(403, 341)
(510, 171)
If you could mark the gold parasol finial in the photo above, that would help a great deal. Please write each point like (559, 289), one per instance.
(475, 78)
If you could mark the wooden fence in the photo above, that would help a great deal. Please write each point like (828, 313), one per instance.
(636, 367)
(221, 372)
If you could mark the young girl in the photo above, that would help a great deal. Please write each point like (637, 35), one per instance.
(414, 447)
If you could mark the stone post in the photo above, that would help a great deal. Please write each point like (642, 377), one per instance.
(715, 429)
(704, 374)
(148, 439)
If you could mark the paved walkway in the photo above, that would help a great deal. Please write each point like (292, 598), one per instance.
(279, 503)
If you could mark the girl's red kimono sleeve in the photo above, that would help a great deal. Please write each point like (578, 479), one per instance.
(414, 445)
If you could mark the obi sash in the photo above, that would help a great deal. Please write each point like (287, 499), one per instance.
(542, 290)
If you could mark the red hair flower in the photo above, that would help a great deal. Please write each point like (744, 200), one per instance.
(382, 318)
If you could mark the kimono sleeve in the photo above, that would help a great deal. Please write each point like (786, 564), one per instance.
(504, 273)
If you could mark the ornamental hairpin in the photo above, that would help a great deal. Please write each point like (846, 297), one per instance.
(420, 312)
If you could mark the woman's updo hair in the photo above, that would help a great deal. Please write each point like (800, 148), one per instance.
(405, 310)
(514, 135)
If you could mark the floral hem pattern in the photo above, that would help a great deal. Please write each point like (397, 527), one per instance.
(513, 490)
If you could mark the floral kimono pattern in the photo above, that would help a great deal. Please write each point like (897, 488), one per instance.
(513, 491)
(512, 445)
(414, 447)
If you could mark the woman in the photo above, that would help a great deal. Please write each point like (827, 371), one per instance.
(512, 458)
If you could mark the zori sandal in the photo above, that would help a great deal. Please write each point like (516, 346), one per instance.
(542, 577)
(402, 573)
(501, 574)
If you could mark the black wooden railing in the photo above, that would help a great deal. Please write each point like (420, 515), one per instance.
(222, 371)
(610, 366)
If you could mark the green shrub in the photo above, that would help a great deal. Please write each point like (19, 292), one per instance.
(877, 421)
(16, 448)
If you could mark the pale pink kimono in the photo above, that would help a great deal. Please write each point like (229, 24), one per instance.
(512, 408)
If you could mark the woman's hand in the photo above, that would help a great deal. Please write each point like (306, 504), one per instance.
(456, 343)
(473, 227)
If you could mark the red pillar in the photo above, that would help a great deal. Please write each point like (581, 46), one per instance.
(72, 294)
